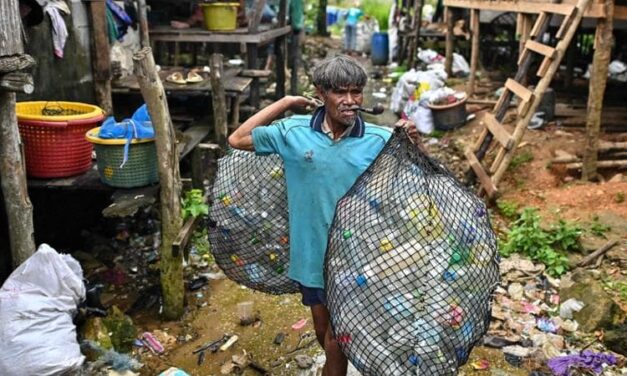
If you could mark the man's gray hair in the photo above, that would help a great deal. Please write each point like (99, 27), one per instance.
(339, 72)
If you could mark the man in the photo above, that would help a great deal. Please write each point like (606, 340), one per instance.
(323, 156)
(350, 28)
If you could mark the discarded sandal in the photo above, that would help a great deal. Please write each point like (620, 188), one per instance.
(193, 77)
(176, 78)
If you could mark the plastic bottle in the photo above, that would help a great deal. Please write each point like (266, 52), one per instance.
(407, 255)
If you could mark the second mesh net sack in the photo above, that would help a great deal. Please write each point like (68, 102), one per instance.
(410, 268)
(248, 232)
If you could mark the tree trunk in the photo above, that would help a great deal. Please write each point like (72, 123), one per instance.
(169, 179)
(474, 51)
(218, 98)
(598, 80)
(322, 18)
(143, 23)
(17, 204)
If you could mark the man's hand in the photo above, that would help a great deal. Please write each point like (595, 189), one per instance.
(300, 104)
(411, 130)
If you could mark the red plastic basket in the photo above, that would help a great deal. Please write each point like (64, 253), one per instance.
(55, 146)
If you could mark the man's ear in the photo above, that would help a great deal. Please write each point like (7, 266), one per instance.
(321, 94)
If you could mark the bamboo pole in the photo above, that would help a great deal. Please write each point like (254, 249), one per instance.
(18, 207)
(448, 62)
(598, 80)
(169, 180)
(474, 50)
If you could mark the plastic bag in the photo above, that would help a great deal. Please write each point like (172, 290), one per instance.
(410, 268)
(139, 126)
(249, 231)
(37, 304)
(419, 112)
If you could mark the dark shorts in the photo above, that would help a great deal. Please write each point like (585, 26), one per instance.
(312, 296)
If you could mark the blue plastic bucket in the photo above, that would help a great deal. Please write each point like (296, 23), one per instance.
(331, 15)
(379, 48)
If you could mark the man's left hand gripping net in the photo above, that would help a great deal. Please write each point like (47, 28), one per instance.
(249, 225)
(410, 268)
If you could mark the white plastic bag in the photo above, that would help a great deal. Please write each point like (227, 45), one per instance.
(37, 303)
(420, 113)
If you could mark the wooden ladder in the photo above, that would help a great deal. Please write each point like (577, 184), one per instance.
(528, 99)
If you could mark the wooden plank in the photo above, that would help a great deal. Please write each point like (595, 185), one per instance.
(540, 48)
(544, 67)
(474, 51)
(479, 141)
(484, 179)
(497, 161)
(255, 20)
(594, 11)
(536, 27)
(565, 24)
(180, 242)
(193, 136)
(500, 133)
(255, 73)
(197, 35)
(521, 92)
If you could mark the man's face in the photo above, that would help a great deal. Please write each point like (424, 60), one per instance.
(341, 104)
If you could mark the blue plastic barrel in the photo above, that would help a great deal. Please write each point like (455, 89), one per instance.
(379, 48)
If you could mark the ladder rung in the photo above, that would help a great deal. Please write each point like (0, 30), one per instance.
(523, 107)
(536, 27)
(522, 92)
(568, 19)
(540, 48)
(500, 133)
(485, 180)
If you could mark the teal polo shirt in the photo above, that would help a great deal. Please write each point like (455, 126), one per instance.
(318, 171)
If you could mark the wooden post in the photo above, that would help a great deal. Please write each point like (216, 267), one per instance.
(169, 179)
(322, 18)
(474, 50)
(253, 23)
(417, 22)
(204, 164)
(101, 63)
(18, 206)
(218, 98)
(448, 62)
(279, 51)
(603, 40)
(295, 61)
(142, 16)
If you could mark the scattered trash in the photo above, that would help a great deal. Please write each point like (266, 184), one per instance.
(245, 313)
(546, 325)
(212, 346)
(300, 324)
(481, 364)
(173, 371)
(152, 343)
(586, 360)
(229, 343)
(197, 283)
(569, 306)
(111, 358)
(280, 337)
(303, 361)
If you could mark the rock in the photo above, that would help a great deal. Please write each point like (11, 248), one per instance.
(615, 339)
(515, 291)
(616, 178)
(599, 309)
(303, 361)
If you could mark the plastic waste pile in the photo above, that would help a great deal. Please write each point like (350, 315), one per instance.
(249, 230)
(410, 268)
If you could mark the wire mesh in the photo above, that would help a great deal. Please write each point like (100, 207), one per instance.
(248, 232)
(410, 268)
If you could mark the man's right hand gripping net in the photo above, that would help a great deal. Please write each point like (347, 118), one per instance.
(411, 266)
(249, 230)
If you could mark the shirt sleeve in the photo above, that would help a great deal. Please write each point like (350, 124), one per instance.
(268, 140)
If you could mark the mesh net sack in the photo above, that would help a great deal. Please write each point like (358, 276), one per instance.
(248, 228)
(410, 267)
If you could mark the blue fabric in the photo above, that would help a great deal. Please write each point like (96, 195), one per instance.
(318, 171)
(353, 16)
(138, 126)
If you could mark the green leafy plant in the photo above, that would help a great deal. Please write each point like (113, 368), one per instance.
(619, 198)
(597, 228)
(618, 287)
(507, 209)
(529, 238)
(194, 204)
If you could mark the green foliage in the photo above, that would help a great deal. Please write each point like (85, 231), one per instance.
(194, 204)
(200, 242)
(520, 159)
(619, 198)
(618, 287)
(379, 9)
(527, 237)
(507, 209)
(597, 228)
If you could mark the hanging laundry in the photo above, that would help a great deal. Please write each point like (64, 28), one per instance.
(54, 9)
(121, 18)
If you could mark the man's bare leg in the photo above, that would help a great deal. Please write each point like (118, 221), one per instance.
(337, 363)
(320, 316)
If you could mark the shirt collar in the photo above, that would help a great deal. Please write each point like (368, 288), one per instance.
(317, 119)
